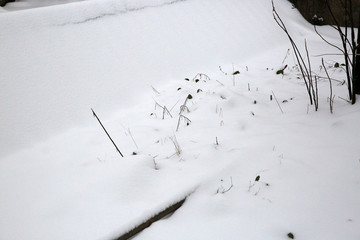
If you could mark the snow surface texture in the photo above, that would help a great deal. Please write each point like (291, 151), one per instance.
(61, 178)
(54, 70)
(28, 4)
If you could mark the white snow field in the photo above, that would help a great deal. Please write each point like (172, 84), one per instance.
(255, 160)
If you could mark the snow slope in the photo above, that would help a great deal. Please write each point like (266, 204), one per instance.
(59, 61)
(61, 178)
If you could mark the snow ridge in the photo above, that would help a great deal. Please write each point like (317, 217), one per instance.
(126, 9)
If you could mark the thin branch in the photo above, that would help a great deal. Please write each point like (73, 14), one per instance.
(344, 99)
(287, 54)
(329, 43)
(333, 79)
(117, 149)
(331, 90)
(231, 186)
(201, 76)
(329, 54)
(174, 105)
(220, 83)
(154, 89)
(184, 107)
(277, 102)
(345, 42)
(222, 190)
(184, 117)
(165, 110)
(314, 91)
(301, 63)
(176, 145)
(132, 138)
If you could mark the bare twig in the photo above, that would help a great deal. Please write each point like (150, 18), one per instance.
(222, 70)
(331, 90)
(184, 107)
(349, 47)
(117, 149)
(132, 138)
(165, 110)
(287, 54)
(201, 76)
(182, 117)
(299, 58)
(344, 99)
(314, 90)
(223, 190)
(277, 102)
(332, 79)
(176, 145)
(220, 83)
(329, 43)
(155, 164)
(156, 91)
(328, 54)
(174, 105)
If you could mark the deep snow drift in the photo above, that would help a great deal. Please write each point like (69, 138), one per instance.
(251, 171)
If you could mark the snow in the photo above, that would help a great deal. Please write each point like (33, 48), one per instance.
(88, 64)
(29, 4)
(61, 177)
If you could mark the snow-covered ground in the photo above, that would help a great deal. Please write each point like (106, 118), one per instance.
(61, 178)
(30, 4)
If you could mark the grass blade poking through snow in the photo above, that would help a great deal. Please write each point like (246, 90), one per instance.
(94, 114)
